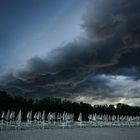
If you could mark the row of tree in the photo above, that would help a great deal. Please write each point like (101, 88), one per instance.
(51, 104)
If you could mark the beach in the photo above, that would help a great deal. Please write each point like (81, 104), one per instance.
(73, 134)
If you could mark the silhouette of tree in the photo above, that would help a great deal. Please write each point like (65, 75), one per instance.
(51, 104)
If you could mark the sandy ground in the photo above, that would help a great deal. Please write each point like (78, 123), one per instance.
(73, 134)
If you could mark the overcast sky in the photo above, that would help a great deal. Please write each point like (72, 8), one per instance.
(81, 50)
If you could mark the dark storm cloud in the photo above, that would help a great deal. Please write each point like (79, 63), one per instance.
(127, 63)
(111, 47)
(118, 21)
(106, 19)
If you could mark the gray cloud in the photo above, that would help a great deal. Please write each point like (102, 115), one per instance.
(88, 67)
(106, 19)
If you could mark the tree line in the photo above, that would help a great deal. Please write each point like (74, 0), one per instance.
(52, 104)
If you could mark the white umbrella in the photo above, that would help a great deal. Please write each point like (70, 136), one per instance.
(43, 116)
(8, 116)
(29, 116)
(19, 117)
(39, 116)
(63, 116)
(3, 115)
(80, 117)
(35, 115)
(89, 117)
(12, 116)
(58, 117)
(94, 117)
(113, 118)
(54, 117)
(49, 117)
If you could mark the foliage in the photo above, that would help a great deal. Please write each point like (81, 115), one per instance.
(51, 104)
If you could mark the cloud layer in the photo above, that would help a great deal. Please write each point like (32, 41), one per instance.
(99, 68)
